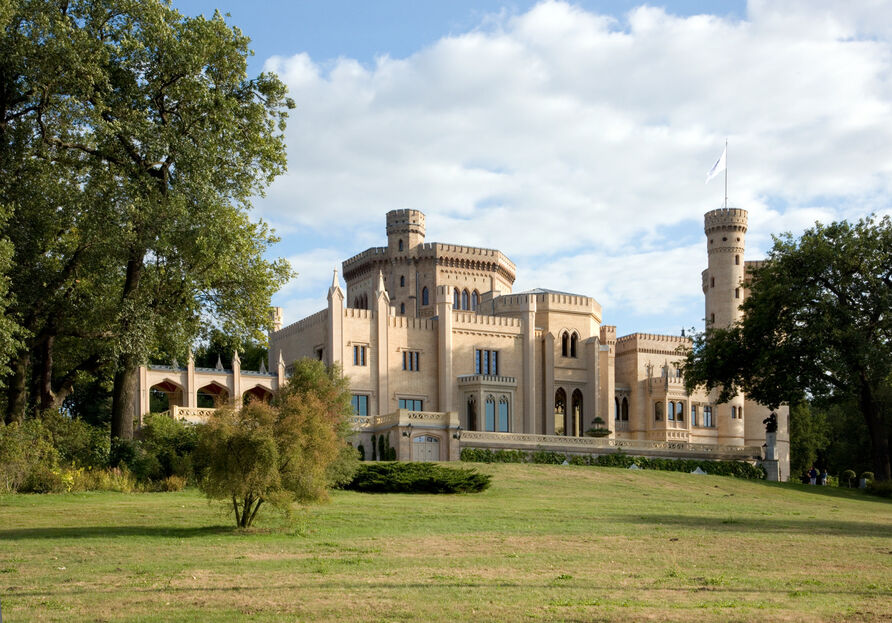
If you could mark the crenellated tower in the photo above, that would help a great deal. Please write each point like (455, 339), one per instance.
(405, 230)
(725, 230)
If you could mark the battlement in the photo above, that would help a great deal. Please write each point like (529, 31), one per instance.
(408, 322)
(651, 341)
(405, 222)
(468, 320)
(725, 219)
(302, 325)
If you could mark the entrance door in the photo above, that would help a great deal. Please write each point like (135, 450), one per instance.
(425, 448)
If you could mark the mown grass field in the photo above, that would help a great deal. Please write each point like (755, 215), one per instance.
(544, 543)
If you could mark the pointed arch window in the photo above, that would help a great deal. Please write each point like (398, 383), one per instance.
(402, 309)
(401, 244)
(625, 410)
(576, 426)
(574, 340)
(490, 414)
(456, 299)
(425, 296)
(465, 300)
(503, 415)
(402, 281)
(565, 344)
(560, 411)
(475, 300)
(616, 409)
(472, 413)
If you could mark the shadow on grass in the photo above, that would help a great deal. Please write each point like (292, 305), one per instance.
(104, 532)
(800, 525)
(845, 493)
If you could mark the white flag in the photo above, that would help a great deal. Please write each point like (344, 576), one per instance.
(718, 167)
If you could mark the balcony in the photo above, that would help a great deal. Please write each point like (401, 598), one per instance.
(487, 379)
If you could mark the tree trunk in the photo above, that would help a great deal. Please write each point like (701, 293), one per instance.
(16, 394)
(879, 435)
(47, 397)
(128, 363)
(123, 396)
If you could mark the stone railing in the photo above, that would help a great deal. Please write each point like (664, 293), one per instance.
(486, 379)
(621, 425)
(193, 415)
(602, 445)
(405, 417)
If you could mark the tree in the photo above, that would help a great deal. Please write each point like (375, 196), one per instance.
(132, 143)
(292, 450)
(816, 324)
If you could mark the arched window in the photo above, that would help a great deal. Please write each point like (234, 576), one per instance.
(679, 411)
(739, 413)
(560, 410)
(565, 344)
(625, 417)
(475, 299)
(472, 413)
(465, 300)
(712, 282)
(425, 296)
(503, 415)
(737, 260)
(402, 281)
(401, 244)
(577, 425)
(355, 302)
(670, 412)
(456, 299)
(574, 339)
(616, 409)
(658, 411)
(490, 414)
(402, 309)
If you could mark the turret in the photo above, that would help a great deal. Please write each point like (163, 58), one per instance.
(405, 230)
(723, 286)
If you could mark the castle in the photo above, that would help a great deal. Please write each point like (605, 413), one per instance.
(442, 355)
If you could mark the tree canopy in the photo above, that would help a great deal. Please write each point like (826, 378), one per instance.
(816, 324)
(132, 144)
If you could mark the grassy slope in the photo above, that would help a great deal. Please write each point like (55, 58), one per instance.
(545, 543)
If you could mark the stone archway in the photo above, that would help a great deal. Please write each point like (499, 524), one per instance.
(576, 427)
(212, 396)
(257, 393)
(560, 412)
(164, 395)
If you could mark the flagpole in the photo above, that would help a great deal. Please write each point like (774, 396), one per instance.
(726, 174)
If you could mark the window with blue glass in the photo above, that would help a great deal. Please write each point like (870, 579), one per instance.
(411, 404)
(486, 362)
(360, 404)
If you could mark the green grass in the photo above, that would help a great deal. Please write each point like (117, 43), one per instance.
(544, 543)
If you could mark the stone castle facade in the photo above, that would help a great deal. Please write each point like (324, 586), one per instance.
(441, 354)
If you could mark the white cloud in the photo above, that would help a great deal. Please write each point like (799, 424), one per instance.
(562, 133)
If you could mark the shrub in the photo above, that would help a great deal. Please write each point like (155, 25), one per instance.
(77, 442)
(485, 455)
(880, 487)
(848, 475)
(417, 478)
(548, 457)
(361, 449)
(867, 476)
(29, 463)
(171, 443)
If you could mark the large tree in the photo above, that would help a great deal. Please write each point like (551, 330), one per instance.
(132, 144)
(817, 322)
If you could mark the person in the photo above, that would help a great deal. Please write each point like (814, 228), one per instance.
(824, 475)
(812, 476)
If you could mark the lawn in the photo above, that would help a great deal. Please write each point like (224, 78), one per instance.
(544, 543)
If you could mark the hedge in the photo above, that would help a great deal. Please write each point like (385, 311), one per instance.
(416, 478)
(739, 469)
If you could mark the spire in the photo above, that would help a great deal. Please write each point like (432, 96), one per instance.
(334, 279)
(281, 358)
(262, 366)
(380, 287)
(219, 366)
(191, 358)
(235, 358)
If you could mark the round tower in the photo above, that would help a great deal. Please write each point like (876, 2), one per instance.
(405, 230)
(725, 230)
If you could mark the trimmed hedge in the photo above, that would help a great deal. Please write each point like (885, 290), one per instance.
(416, 478)
(738, 469)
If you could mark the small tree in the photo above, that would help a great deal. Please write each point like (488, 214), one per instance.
(291, 451)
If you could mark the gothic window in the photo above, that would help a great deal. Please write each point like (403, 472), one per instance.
(577, 418)
(401, 244)
(411, 360)
(486, 362)
(693, 415)
(560, 410)
(574, 339)
(475, 299)
(472, 413)
(503, 415)
(658, 411)
(707, 417)
(490, 414)
(679, 411)
(737, 260)
(616, 409)
(456, 299)
(670, 412)
(565, 341)
(425, 296)
(465, 300)
(359, 353)
(733, 413)
(625, 417)
(402, 281)
(402, 309)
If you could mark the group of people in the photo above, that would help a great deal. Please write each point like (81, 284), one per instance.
(814, 477)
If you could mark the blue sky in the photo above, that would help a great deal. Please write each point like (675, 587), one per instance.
(574, 137)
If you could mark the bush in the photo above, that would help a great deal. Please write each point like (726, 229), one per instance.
(79, 444)
(484, 455)
(171, 443)
(547, 457)
(867, 476)
(882, 488)
(417, 478)
(848, 475)
(29, 463)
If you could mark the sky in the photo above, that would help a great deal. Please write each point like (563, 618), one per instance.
(575, 137)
